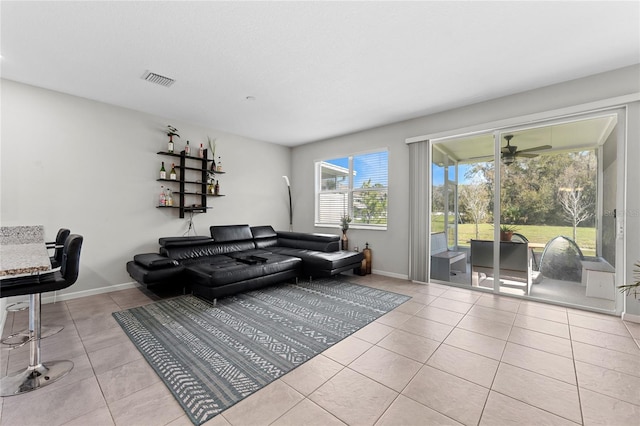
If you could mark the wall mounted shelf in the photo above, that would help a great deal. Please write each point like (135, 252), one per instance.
(200, 190)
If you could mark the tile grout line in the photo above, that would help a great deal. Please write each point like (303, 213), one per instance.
(575, 369)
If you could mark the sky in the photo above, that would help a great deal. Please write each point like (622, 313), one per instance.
(370, 161)
(374, 163)
(438, 174)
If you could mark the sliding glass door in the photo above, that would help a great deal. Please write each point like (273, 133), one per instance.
(531, 209)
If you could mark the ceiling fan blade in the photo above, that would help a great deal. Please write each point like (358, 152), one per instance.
(537, 148)
(520, 154)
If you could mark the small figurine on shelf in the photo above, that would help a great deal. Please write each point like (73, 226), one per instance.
(171, 132)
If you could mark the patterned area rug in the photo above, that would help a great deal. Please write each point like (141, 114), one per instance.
(211, 357)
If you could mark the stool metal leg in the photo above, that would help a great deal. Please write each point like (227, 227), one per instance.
(37, 374)
(18, 306)
(22, 337)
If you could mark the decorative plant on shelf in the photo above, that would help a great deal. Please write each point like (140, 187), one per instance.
(635, 287)
(171, 132)
(345, 221)
(212, 148)
(506, 232)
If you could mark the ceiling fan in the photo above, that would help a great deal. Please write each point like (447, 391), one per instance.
(510, 152)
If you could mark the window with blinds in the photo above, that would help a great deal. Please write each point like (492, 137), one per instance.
(354, 186)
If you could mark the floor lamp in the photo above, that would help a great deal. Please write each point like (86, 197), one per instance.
(286, 179)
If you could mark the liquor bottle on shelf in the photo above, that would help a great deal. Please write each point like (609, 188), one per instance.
(187, 149)
(201, 152)
(169, 198)
(170, 145)
(163, 172)
(172, 173)
(163, 198)
(216, 189)
(219, 165)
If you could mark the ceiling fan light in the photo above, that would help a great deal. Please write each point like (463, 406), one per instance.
(508, 159)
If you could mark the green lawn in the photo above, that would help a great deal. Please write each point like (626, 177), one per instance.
(542, 234)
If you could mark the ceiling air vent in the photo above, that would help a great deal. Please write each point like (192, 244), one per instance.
(158, 79)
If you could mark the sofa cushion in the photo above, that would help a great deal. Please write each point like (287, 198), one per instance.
(247, 253)
(314, 260)
(181, 253)
(213, 260)
(264, 236)
(222, 271)
(226, 233)
(260, 232)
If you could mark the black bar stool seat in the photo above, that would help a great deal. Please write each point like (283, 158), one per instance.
(39, 374)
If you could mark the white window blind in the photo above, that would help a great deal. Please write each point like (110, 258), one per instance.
(355, 186)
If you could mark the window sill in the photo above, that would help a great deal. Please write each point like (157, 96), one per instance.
(358, 226)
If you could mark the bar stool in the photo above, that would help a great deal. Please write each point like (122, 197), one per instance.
(21, 337)
(58, 246)
(39, 374)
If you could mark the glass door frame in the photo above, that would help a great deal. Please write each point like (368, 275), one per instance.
(621, 142)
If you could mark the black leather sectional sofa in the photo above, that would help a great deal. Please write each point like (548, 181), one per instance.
(239, 258)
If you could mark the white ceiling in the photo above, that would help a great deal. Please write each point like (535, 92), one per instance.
(315, 69)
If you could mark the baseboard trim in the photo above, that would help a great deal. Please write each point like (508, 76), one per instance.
(52, 297)
(390, 274)
(631, 317)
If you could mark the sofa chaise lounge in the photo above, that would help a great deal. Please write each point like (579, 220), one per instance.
(239, 258)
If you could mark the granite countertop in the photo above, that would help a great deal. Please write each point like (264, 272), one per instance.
(23, 250)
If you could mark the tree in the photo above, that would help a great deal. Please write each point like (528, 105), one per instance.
(370, 206)
(577, 204)
(475, 199)
(530, 186)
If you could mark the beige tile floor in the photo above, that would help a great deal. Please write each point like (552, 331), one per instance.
(448, 356)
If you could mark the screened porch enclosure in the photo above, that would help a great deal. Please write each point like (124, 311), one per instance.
(552, 188)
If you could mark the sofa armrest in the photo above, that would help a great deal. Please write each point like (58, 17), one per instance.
(301, 240)
(154, 261)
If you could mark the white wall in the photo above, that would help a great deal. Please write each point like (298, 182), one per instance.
(92, 167)
(390, 248)
(632, 212)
